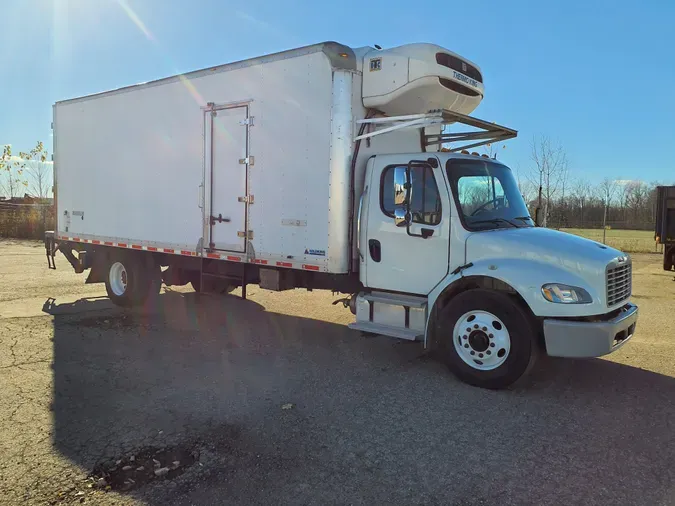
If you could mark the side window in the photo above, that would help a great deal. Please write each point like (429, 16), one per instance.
(426, 201)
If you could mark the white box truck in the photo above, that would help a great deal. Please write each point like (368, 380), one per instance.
(327, 167)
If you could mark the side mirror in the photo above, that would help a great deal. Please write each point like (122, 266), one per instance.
(402, 196)
(401, 217)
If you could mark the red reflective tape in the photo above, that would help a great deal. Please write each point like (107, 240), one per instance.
(95, 241)
(284, 264)
(310, 267)
(234, 259)
(168, 250)
(107, 243)
(152, 248)
(213, 255)
(122, 244)
(256, 261)
(188, 253)
(76, 239)
(136, 246)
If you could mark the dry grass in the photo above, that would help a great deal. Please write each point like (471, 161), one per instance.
(630, 241)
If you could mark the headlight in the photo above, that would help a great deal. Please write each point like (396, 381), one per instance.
(565, 294)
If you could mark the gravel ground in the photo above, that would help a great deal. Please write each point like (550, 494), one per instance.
(277, 402)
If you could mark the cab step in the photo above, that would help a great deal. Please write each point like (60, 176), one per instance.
(386, 330)
(391, 314)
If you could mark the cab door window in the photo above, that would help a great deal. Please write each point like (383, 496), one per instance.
(425, 204)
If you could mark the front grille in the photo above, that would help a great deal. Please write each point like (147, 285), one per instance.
(619, 283)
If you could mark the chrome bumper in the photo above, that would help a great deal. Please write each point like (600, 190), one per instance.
(565, 338)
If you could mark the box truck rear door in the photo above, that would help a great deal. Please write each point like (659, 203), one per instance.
(229, 170)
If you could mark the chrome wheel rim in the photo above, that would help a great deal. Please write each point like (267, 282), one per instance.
(481, 340)
(118, 279)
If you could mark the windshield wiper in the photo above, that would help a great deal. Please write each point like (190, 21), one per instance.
(523, 218)
(496, 220)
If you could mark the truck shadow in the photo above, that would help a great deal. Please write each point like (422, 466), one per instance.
(269, 408)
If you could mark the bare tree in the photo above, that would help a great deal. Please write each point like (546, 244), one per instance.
(38, 169)
(606, 192)
(11, 174)
(581, 193)
(549, 172)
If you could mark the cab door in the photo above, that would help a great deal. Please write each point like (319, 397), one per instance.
(411, 258)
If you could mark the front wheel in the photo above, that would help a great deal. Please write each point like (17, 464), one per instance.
(487, 339)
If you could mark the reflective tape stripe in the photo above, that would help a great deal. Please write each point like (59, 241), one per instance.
(310, 267)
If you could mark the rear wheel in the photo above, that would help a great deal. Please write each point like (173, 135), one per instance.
(122, 280)
(487, 339)
(669, 258)
(132, 279)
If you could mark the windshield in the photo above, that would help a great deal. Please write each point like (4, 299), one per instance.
(487, 195)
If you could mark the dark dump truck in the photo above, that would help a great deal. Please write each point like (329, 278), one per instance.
(664, 232)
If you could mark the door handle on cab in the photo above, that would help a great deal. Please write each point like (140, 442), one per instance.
(375, 250)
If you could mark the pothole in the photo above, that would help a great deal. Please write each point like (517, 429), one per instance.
(145, 465)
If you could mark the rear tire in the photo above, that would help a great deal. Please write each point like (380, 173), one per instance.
(122, 280)
(669, 258)
(131, 279)
(487, 339)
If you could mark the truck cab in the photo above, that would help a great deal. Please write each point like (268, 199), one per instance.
(449, 254)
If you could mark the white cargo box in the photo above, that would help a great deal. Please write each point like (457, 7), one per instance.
(249, 161)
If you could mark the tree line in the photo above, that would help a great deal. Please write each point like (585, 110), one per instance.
(566, 201)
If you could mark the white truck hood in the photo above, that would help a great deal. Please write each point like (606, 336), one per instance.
(527, 258)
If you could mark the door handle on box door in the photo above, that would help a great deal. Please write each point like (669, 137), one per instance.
(219, 219)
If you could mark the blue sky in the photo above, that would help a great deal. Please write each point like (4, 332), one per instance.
(598, 76)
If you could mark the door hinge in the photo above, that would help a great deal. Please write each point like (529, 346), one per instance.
(244, 234)
(249, 160)
(249, 199)
(247, 122)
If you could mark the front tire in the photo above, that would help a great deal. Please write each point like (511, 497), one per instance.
(487, 339)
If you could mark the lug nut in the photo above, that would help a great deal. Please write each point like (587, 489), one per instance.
(465, 337)
(492, 345)
(484, 329)
(491, 336)
(466, 345)
(488, 352)
(480, 355)
(473, 352)
(475, 326)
